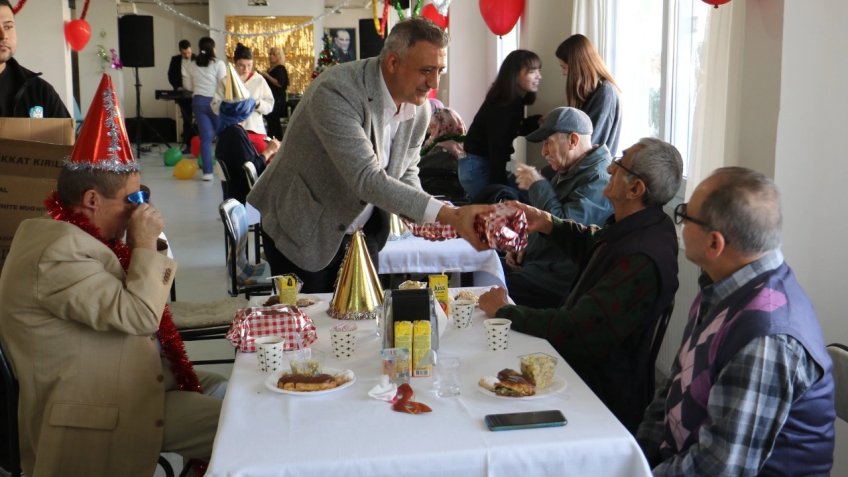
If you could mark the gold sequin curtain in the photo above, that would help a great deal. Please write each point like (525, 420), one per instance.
(298, 45)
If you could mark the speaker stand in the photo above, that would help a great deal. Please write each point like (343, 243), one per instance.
(140, 122)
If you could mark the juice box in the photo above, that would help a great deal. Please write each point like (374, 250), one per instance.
(439, 285)
(403, 335)
(420, 347)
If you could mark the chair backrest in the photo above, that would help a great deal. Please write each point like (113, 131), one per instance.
(10, 456)
(659, 334)
(225, 178)
(839, 356)
(250, 173)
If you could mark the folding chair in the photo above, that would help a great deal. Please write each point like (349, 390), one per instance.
(245, 278)
(839, 355)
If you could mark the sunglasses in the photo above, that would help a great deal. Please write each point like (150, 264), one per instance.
(140, 197)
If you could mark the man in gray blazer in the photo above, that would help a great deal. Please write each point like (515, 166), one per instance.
(350, 155)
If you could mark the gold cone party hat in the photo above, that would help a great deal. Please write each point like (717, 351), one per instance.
(234, 88)
(397, 230)
(358, 290)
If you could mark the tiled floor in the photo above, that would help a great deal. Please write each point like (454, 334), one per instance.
(196, 235)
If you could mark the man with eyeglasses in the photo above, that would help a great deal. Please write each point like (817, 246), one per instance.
(541, 275)
(751, 390)
(105, 384)
(627, 278)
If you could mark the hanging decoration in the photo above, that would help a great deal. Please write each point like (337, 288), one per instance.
(18, 7)
(205, 26)
(431, 13)
(441, 6)
(385, 22)
(376, 17)
(716, 3)
(107, 58)
(501, 15)
(399, 10)
(78, 32)
(416, 10)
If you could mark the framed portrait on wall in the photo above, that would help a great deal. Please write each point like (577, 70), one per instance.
(343, 43)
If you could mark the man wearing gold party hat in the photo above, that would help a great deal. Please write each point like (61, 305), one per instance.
(83, 324)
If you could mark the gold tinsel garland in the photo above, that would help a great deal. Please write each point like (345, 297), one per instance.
(298, 45)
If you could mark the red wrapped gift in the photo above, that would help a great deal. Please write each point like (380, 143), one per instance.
(285, 321)
(503, 229)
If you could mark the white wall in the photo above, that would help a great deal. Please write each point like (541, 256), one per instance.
(41, 44)
(810, 165)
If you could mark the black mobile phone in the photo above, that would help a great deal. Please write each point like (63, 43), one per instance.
(525, 420)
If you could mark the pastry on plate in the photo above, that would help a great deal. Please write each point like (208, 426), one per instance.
(512, 383)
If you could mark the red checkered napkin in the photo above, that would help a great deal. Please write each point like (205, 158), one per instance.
(431, 230)
(285, 321)
(503, 229)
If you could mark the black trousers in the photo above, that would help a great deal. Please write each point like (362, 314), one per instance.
(188, 128)
(324, 280)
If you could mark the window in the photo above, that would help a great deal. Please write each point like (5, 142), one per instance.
(655, 56)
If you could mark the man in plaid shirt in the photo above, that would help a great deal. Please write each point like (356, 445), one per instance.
(751, 391)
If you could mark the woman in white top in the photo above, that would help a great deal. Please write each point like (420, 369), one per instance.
(259, 91)
(204, 75)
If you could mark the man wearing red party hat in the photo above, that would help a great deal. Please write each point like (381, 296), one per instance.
(83, 322)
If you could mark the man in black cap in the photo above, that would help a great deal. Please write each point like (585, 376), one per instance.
(23, 94)
(627, 278)
(177, 72)
(540, 275)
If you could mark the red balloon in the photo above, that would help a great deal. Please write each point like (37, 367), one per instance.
(77, 33)
(716, 3)
(501, 15)
(429, 11)
(195, 146)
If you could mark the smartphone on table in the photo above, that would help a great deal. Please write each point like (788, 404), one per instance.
(525, 420)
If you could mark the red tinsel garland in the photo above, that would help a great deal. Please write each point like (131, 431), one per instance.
(169, 337)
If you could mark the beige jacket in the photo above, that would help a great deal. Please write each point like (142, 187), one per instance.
(80, 334)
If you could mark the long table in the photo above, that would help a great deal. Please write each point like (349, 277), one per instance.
(417, 255)
(262, 433)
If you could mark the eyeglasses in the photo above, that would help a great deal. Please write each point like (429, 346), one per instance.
(140, 197)
(680, 215)
(617, 161)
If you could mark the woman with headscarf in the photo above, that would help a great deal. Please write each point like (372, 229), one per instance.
(234, 147)
(203, 76)
(590, 87)
(442, 148)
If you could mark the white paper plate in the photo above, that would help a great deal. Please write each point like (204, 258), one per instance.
(271, 383)
(557, 386)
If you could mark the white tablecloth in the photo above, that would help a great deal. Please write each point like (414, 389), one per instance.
(263, 433)
(416, 255)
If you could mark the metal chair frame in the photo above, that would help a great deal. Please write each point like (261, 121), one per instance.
(226, 209)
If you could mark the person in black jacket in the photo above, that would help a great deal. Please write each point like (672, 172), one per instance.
(277, 77)
(498, 122)
(23, 94)
(176, 71)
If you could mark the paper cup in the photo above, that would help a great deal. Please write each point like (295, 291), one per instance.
(497, 333)
(343, 340)
(270, 352)
(461, 313)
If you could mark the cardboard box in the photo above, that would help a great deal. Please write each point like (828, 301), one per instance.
(49, 130)
(32, 151)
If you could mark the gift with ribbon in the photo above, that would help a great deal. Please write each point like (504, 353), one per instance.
(288, 322)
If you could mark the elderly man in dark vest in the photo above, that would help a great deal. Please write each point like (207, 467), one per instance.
(751, 390)
(627, 277)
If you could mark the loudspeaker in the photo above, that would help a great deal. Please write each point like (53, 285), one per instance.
(135, 39)
(370, 43)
